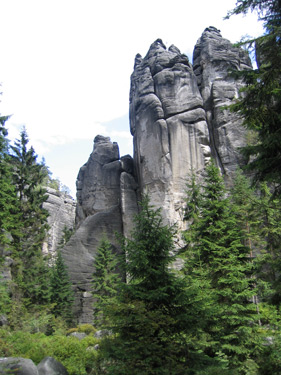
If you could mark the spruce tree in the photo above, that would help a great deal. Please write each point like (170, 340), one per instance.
(156, 316)
(28, 175)
(244, 201)
(260, 104)
(219, 259)
(61, 291)
(105, 281)
(8, 200)
(269, 259)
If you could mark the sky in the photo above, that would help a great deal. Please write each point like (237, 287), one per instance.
(65, 66)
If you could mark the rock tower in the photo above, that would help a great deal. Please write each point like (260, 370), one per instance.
(179, 120)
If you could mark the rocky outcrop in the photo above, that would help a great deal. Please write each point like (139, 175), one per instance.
(168, 125)
(106, 191)
(178, 121)
(213, 60)
(61, 208)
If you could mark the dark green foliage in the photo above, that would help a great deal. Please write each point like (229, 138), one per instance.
(5, 300)
(269, 260)
(260, 104)
(8, 207)
(29, 266)
(61, 292)
(66, 235)
(105, 281)
(219, 259)
(157, 314)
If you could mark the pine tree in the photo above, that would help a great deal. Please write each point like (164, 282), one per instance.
(105, 281)
(61, 292)
(157, 315)
(260, 104)
(220, 260)
(28, 175)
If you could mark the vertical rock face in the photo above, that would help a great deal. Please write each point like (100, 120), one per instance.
(168, 124)
(213, 59)
(105, 189)
(61, 208)
(178, 120)
(98, 181)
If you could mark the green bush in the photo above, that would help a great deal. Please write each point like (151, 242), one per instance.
(78, 356)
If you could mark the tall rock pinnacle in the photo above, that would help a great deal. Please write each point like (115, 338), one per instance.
(169, 126)
(213, 60)
(178, 121)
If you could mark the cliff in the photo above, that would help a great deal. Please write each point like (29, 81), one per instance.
(61, 208)
(178, 121)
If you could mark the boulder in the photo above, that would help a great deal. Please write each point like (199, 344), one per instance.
(17, 366)
(50, 366)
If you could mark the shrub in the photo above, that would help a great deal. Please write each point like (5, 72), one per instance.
(78, 356)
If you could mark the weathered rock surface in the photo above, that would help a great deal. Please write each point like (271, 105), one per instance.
(169, 126)
(61, 208)
(50, 366)
(17, 366)
(99, 214)
(213, 59)
(178, 121)
(24, 366)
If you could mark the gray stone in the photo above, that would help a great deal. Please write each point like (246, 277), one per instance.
(17, 366)
(102, 333)
(98, 181)
(129, 200)
(3, 320)
(169, 126)
(50, 366)
(213, 59)
(98, 215)
(61, 208)
(178, 121)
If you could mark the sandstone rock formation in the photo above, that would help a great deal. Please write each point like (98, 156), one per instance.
(61, 208)
(106, 191)
(213, 59)
(169, 126)
(178, 121)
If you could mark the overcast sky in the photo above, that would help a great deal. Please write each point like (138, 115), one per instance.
(65, 66)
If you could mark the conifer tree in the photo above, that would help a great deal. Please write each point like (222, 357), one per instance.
(270, 230)
(27, 242)
(105, 281)
(260, 105)
(244, 201)
(8, 198)
(156, 316)
(220, 260)
(61, 292)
